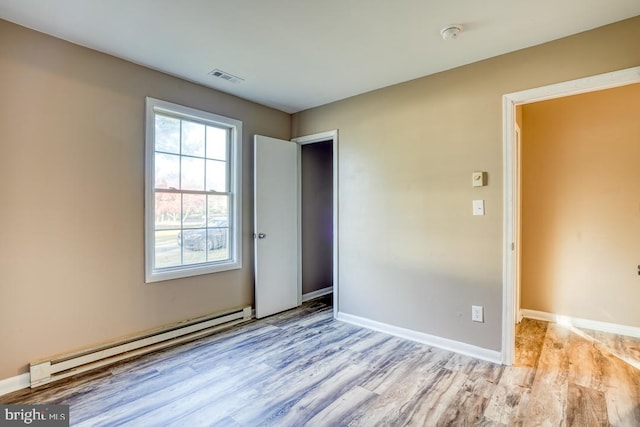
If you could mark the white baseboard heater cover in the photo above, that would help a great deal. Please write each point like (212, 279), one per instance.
(65, 365)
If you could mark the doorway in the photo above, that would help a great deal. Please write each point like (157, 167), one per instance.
(511, 166)
(316, 163)
(318, 216)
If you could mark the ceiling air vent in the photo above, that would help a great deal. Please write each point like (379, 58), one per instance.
(225, 76)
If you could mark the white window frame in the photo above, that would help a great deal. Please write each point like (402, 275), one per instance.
(153, 274)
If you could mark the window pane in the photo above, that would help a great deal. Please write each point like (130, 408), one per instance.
(218, 223)
(193, 210)
(167, 132)
(194, 245)
(217, 143)
(167, 249)
(167, 211)
(217, 210)
(167, 167)
(192, 139)
(217, 176)
(192, 174)
(219, 238)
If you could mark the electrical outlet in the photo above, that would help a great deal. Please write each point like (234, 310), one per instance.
(477, 313)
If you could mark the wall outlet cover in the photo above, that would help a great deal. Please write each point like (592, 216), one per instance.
(477, 313)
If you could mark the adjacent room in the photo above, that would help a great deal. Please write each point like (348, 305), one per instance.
(296, 213)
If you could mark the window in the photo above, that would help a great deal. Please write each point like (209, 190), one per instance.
(193, 194)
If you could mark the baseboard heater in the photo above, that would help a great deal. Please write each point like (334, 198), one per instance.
(65, 365)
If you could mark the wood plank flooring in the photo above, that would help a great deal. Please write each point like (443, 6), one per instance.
(304, 368)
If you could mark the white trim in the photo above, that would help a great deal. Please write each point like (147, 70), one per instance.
(331, 135)
(509, 102)
(596, 325)
(508, 243)
(299, 219)
(578, 86)
(517, 192)
(316, 137)
(19, 382)
(317, 294)
(432, 340)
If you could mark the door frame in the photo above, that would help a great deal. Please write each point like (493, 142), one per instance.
(511, 211)
(517, 231)
(331, 135)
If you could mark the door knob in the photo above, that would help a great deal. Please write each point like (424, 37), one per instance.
(261, 235)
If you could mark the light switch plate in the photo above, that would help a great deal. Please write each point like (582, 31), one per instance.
(477, 179)
(478, 207)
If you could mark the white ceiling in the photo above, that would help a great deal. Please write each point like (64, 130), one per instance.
(298, 54)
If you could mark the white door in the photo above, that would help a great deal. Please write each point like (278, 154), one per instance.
(275, 225)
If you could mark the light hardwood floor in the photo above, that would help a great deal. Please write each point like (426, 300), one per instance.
(304, 368)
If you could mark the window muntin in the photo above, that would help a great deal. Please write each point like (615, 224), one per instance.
(193, 192)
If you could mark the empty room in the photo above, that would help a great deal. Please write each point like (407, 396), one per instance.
(289, 213)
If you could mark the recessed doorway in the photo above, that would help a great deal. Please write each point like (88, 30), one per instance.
(511, 252)
(318, 213)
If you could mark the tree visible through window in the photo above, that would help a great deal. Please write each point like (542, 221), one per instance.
(193, 200)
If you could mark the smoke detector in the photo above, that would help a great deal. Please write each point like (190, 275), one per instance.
(451, 32)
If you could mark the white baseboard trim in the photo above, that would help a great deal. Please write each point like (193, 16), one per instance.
(432, 340)
(317, 294)
(596, 325)
(16, 383)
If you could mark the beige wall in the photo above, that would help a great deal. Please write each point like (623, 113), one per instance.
(411, 254)
(317, 216)
(71, 180)
(581, 206)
